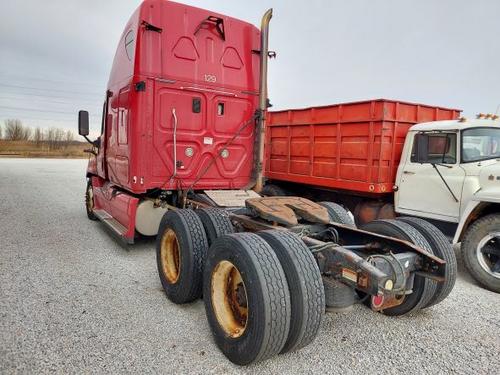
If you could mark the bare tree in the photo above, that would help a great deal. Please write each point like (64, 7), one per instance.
(50, 136)
(38, 136)
(27, 132)
(59, 138)
(55, 138)
(1, 132)
(68, 138)
(14, 130)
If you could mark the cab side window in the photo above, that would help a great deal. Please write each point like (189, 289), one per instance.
(130, 45)
(441, 148)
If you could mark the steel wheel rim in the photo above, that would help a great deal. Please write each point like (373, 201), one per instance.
(170, 256)
(90, 199)
(485, 261)
(229, 299)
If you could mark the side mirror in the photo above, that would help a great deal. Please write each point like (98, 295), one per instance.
(422, 141)
(83, 123)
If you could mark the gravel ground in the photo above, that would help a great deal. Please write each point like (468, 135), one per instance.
(73, 300)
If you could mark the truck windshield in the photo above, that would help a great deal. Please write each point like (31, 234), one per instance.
(480, 144)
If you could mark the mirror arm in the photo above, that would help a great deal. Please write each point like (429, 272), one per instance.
(88, 140)
(442, 178)
(96, 143)
(444, 165)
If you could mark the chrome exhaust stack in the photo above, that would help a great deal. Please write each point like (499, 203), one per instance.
(263, 100)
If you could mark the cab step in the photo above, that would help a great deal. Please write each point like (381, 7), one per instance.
(113, 226)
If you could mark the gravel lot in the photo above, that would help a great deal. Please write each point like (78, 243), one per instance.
(73, 300)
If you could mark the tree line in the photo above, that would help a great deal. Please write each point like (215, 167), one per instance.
(53, 138)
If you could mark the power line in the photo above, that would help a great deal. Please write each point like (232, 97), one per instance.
(50, 96)
(37, 110)
(50, 80)
(46, 100)
(47, 89)
(95, 120)
(44, 119)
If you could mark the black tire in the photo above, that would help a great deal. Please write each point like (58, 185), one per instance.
(423, 288)
(338, 214)
(478, 231)
(89, 201)
(216, 223)
(443, 249)
(273, 191)
(191, 245)
(267, 298)
(307, 295)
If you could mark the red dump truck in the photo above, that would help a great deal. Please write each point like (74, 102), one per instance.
(386, 158)
(180, 157)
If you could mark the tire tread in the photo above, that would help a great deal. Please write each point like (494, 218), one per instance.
(276, 288)
(216, 222)
(197, 242)
(443, 249)
(338, 214)
(407, 232)
(310, 282)
(467, 249)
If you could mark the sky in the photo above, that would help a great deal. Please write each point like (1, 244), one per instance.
(56, 55)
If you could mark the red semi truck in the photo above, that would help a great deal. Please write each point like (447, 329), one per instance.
(385, 158)
(180, 157)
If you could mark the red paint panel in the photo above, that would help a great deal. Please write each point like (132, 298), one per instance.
(211, 81)
(193, 51)
(200, 137)
(350, 146)
(121, 206)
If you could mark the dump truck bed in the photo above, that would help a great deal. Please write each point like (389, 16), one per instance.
(351, 146)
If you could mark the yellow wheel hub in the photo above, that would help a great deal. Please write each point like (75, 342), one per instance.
(229, 298)
(170, 256)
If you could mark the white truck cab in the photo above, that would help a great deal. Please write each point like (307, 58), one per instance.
(450, 172)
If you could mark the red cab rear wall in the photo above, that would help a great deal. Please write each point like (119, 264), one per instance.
(179, 65)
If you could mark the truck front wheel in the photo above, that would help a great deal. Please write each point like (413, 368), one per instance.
(89, 200)
(481, 251)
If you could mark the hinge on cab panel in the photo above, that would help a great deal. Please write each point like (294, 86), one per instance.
(140, 86)
(270, 54)
(150, 27)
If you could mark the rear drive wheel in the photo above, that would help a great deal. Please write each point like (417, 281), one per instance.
(338, 214)
(307, 295)
(216, 223)
(481, 251)
(89, 200)
(181, 247)
(246, 298)
(273, 191)
(423, 288)
(442, 248)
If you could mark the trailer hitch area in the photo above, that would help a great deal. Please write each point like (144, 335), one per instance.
(385, 275)
(350, 268)
(287, 210)
(368, 243)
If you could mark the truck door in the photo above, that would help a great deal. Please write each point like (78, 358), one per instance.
(104, 157)
(101, 155)
(430, 181)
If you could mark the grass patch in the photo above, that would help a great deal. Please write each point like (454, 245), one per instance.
(29, 149)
